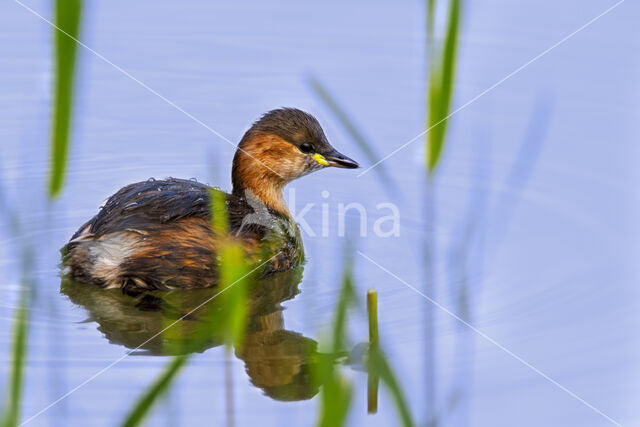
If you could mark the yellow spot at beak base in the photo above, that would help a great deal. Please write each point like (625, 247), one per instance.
(320, 159)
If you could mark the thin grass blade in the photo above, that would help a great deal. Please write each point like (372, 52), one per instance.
(19, 354)
(441, 89)
(379, 364)
(218, 207)
(67, 17)
(345, 300)
(234, 280)
(354, 132)
(336, 394)
(159, 387)
(335, 401)
(431, 19)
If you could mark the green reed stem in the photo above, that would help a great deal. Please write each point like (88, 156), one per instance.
(373, 379)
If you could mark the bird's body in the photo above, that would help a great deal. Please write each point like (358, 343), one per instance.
(157, 234)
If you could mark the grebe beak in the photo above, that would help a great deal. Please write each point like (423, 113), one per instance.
(336, 159)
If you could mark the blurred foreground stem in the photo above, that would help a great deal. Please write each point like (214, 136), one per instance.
(67, 20)
(19, 353)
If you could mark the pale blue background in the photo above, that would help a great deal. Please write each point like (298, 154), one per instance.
(553, 277)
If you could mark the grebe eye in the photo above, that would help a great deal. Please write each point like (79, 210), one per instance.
(306, 147)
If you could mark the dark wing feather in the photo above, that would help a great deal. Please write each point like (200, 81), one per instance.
(144, 206)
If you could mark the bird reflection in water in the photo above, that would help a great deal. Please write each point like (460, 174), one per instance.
(277, 360)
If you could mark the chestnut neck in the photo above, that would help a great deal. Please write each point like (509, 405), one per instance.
(250, 177)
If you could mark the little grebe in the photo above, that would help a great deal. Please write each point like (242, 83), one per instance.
(157, 234)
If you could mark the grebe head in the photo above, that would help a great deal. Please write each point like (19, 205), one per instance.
(283, 145)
